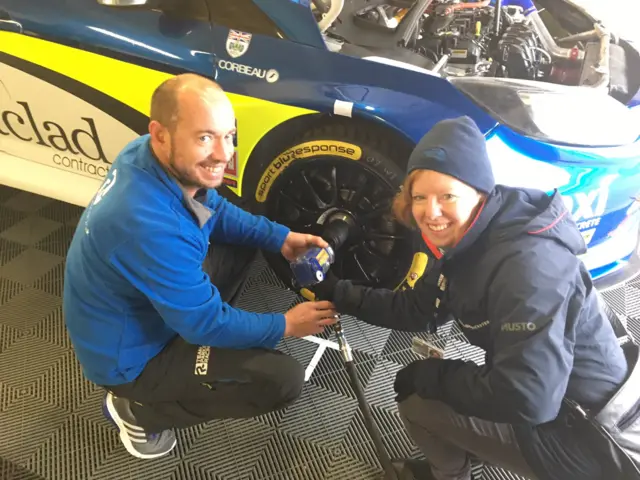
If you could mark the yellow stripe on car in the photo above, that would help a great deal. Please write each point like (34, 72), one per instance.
(133, 86)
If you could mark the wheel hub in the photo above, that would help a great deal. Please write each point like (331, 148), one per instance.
(338, 227)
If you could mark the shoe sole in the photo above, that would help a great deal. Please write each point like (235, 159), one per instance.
(124, 438)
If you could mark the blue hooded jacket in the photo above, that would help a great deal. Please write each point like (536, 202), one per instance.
(134, 277)
(518, 290)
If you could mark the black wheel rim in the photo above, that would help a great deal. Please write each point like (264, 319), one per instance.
(379, 252)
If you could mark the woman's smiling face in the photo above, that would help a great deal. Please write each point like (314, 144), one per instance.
(443, 207)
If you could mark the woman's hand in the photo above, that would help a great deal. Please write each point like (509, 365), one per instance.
(405, 383)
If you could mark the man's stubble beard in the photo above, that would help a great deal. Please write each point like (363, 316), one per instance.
(182, 177)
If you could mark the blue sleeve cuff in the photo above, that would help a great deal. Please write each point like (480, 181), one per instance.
(276, 239)
(279, 324)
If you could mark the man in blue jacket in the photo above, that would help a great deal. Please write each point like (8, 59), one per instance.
(156, 258)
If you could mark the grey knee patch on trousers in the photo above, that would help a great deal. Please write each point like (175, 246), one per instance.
(446, 438)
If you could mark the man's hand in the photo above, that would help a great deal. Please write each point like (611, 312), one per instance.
(297, 243)
(309, 318)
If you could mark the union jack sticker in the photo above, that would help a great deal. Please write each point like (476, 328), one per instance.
(238, 43)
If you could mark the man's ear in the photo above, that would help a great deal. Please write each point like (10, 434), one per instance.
(159, 134)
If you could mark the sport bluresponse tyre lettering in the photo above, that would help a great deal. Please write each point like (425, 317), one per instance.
(304, 150)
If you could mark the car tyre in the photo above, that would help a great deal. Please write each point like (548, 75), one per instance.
(340, 166)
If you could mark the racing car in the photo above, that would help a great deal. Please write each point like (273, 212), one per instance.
(330, 97)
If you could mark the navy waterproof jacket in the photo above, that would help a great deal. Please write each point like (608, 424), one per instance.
(517, 289)
(134, 278)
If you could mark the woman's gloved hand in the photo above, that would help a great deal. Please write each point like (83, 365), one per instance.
(324, 290)
(405, 383)
(421, 377)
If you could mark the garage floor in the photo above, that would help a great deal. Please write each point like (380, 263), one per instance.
(50, 420)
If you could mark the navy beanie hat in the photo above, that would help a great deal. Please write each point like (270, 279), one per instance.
(455, 147)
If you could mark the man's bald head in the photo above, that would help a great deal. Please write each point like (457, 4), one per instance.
(177, 92)
(192, 130)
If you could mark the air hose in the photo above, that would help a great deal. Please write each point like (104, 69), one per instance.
(374, 432)
(310, 268)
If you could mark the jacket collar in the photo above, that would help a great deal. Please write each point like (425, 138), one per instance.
(196, 206)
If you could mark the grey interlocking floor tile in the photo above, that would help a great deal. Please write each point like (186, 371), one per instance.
(309, 469)
(301, 419)
(337, 380)
(64, 213)
(50, 416)
(14, 471)
(248, 439)
(213, 453)
(63, 384)
(186, 470)
(276, 298)
(66, 454)
(324, 418)
(9, 289)
(633, 325)
(29, 266)
(28, 202)
(6, 193)
(283, 453)
(376, 337)
(11, 419)
(52, 282)
(58, 241)
(9, 218)
(30, 230)
(616, 298)
(27, 308)
(52, 329)
(632, 301)
(349, 467)
(9, 250)
(40, 421)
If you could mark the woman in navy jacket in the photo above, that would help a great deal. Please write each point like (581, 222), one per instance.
(503, 263)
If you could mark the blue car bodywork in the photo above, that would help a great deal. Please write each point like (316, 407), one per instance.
(599, 182)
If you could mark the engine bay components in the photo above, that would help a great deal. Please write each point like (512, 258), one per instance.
(458, 38)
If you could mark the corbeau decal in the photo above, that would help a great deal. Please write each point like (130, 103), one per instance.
(238, 43)
(304, 150)
(270, 75)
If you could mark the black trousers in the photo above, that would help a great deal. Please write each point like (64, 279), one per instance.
(186, 384)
